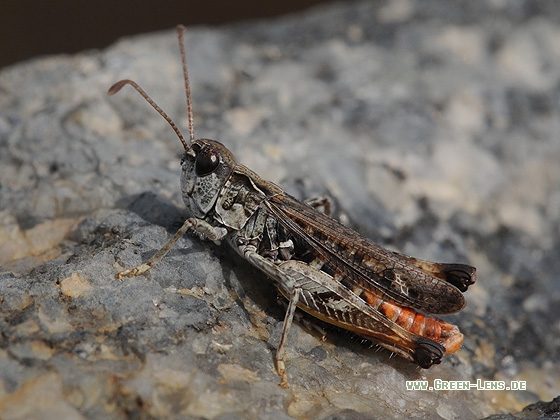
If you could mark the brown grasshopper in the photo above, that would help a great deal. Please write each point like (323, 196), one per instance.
(318, 264)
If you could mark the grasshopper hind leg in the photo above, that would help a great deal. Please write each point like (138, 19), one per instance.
(322, 204)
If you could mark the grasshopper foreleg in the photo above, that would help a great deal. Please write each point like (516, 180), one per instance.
(200, 226)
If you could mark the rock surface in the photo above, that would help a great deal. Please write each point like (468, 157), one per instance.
(435, 126)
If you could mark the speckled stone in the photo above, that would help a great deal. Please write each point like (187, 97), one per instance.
(434, 125)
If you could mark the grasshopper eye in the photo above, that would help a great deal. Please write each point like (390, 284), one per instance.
(206, 162)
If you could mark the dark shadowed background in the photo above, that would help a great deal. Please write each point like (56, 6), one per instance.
(31, 28)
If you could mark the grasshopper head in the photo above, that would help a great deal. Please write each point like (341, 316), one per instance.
(206, 165)
(205, 168)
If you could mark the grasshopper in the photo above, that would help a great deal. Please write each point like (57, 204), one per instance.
(318, 264)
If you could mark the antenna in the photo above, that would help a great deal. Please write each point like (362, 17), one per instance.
(120, 84)
(180, 35)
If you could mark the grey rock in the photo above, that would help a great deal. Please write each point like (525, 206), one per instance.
(435, 126)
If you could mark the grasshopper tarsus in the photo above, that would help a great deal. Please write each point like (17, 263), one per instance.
(136, 271)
